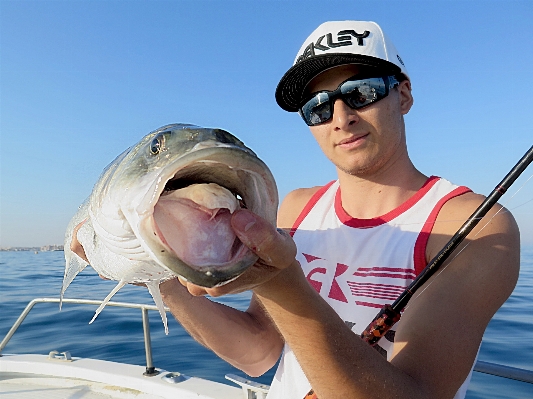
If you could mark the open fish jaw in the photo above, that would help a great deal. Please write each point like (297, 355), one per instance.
(247, 178)
(172, 157)
(120, 236)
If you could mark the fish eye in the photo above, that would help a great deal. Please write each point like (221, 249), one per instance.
(157, 144)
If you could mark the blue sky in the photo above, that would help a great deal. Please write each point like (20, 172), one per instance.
(80, 81)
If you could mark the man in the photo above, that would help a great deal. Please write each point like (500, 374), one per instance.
(359, 242)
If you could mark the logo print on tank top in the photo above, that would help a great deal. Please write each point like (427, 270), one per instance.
(362, 286)
(335, 291)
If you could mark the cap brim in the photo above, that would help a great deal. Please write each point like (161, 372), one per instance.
(291, 86)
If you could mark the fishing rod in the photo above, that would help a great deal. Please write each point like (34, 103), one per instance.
(390, 314)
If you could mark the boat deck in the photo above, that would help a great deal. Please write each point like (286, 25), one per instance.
(42, 377)
(27, 386)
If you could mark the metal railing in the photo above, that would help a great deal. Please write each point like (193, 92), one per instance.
(498, 370)
(150, 369)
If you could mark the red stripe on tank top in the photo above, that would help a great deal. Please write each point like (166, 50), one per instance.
(378, 221)
(376, 296)
(369, 304)
(384, 269)
(419, 256)
(310, 204)
(369, 287)
(409, 276)
(374, 293)
(393, 272)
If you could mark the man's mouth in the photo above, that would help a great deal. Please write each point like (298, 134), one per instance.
(351, 140)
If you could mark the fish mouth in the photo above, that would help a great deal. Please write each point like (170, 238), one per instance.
(200, 175)
(195, 240)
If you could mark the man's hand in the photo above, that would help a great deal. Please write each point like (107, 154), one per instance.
(75, 245)
(275, 248)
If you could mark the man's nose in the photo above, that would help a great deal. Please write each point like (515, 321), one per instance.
(343, 115)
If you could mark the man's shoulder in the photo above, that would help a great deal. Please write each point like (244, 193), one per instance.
(455, 212)
(459, 208)
(293, 204)
(466, 201)
(302, 194)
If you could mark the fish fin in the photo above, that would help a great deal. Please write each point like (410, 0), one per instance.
(73, 263)
(120, 284)
(153, 288)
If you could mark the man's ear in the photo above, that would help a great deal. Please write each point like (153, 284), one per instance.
(406, 97)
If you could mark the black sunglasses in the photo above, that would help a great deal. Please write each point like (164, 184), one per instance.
(355, 92)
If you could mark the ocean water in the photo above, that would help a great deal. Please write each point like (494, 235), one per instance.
(117, 333)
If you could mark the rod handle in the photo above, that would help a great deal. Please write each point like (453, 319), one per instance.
(382, 323)
(311, 395)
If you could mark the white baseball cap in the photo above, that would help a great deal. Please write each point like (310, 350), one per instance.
(337, 43)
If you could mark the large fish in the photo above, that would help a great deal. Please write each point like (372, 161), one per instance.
(163, 207)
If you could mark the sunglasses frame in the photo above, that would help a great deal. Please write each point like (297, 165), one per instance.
(389, 81)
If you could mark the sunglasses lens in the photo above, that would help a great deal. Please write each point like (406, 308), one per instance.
(359, 93)
(317, 110)
(355, 93)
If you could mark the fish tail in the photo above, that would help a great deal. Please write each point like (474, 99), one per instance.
(120, 284)
(153, 288)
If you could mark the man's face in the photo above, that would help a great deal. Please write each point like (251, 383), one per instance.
(362, 142)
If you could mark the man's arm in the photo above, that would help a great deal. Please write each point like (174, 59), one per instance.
(455, 306)
(440, 331)
(247, 340)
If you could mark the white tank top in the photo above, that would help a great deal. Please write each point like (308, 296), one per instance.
(359, 265)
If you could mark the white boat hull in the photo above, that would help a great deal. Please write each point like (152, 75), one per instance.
(43, 377)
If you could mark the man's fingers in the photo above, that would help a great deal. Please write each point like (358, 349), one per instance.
(274, 247)
(196, 290)
(75, 245)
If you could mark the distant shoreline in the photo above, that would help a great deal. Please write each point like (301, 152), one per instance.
(45, 248)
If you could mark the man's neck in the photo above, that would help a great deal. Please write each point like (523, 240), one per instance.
(372, 195)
